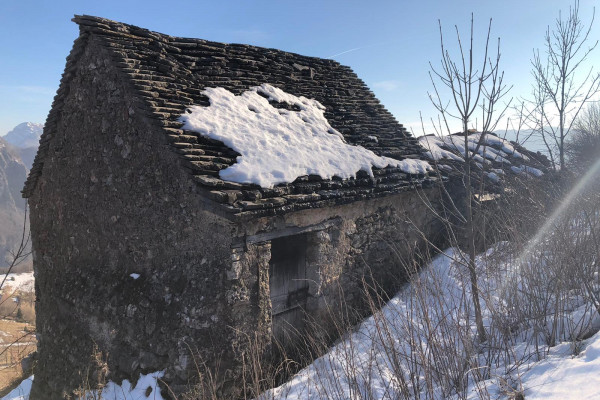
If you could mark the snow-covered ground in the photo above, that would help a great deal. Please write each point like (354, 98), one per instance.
(564, 375)
(279, 145)
(146, 388)
(21, 392)
(385, 357)
(430, 321)
(24, 282)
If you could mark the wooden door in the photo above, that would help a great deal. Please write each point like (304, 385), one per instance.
(289, 287)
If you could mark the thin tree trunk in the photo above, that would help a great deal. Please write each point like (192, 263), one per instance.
(471, 242)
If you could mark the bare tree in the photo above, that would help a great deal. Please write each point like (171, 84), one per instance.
(582, 148)
(23, 250)
(476, 88)
(560, 92)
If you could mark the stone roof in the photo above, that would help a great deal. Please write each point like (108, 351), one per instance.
(169, 74)
(505, 162)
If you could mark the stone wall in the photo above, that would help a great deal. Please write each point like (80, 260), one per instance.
(375, 239)
(112, 202)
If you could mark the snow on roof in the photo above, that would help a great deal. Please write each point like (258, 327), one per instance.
(437, 147)
(526, 170)
(492, 150)
(279, 145)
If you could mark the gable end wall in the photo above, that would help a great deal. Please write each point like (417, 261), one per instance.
(112, 201)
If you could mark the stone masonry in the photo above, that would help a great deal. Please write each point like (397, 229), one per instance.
(118, 190)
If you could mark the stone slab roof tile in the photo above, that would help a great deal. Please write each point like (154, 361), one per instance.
(169, 74)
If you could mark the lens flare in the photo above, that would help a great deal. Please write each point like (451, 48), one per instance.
(590, 177)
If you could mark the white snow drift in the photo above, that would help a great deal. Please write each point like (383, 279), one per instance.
(278, 145)
(146, 388)
(453, 147)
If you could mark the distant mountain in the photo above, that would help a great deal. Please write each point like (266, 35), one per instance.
(26, 155)
(17, 150)
(13, 173)
(25, 135)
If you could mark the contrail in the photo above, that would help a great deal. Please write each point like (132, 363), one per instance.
(344, 52)
(360, 48)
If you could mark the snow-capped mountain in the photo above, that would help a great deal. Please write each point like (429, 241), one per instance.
(24, 139)
(25, 135)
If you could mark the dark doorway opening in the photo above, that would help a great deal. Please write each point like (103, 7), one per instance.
(289, 287)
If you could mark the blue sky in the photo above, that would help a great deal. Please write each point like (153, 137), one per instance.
(389, 44)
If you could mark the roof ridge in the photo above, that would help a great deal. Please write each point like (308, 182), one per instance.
(107, 26)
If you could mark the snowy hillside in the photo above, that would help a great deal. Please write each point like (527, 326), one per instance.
(390, 355)
(25, 138)
(24, 282)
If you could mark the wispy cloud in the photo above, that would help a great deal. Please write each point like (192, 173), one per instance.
(388, 86)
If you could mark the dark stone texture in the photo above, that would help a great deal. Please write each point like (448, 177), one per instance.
(110, 203)
(117, 188)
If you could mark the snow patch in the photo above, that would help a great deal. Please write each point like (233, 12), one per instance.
(21, 392)
(526, 170)
(493, 176)
(279, 145)
(146, 388)
(452, 147)
(561, 376)
(435, 150)
(24, 282)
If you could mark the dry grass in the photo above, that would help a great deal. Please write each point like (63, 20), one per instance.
(17, 305)
(17, 334)
(17, 340)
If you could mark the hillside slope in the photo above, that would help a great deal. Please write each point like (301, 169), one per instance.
(13, 173)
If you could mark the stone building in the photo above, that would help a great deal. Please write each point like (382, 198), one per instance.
(144, 254)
